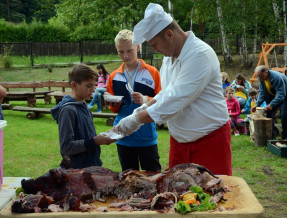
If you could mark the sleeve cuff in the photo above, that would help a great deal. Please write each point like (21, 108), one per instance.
(155, 116)
(145, 99)
(89, 143)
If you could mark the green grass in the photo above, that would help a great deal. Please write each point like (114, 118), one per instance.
(31, 147)
(25, 61)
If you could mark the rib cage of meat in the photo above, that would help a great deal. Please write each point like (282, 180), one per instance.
(69, 188)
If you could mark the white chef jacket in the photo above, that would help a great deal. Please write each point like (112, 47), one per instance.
(191, 100)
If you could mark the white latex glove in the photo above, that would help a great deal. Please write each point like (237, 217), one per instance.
(128, 125)
(141, 108)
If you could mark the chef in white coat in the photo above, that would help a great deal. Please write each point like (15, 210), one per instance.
(191, 100)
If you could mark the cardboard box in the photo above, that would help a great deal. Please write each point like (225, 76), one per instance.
(3, 123)
(279, 151)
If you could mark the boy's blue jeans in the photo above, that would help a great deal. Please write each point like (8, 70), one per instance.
(98, 98)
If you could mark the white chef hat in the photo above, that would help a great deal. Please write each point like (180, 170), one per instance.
(155, 20)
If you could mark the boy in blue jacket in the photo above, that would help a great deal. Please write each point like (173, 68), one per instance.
(77, 134)
(251, 102)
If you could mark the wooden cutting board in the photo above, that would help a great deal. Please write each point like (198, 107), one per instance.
(241, 203)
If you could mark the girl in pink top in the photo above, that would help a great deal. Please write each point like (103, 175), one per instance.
(233, 109)
(101, 88)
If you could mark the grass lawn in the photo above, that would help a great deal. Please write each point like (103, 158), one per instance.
(31, 148)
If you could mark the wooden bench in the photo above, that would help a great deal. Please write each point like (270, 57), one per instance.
(34, 113)
(27, 95)
(6, 106)
(58, 95)
(40, 90)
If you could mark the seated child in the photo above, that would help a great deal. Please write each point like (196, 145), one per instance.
(233, 110)
(225, 81)
(78, 139)
(251, 102)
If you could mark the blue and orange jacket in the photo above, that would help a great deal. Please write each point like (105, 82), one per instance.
(147, 82)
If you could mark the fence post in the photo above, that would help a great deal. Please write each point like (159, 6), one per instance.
(81, 51)
(31, 54)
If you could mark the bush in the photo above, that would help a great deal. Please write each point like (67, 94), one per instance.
(6, 59)
(11, 32)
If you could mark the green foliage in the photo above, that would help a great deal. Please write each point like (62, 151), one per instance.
(12, 32)
(75, 20)
(35, 32)
(40, 32)
(50, 69)
(6, 58)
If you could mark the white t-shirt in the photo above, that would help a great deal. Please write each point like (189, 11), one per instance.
(191, 100)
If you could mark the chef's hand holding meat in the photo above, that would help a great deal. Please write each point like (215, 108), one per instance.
(141, 108)
(128, 125)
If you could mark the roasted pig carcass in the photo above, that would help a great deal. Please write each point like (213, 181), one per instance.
(71, 188)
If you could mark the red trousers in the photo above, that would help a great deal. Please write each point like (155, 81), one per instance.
(212, 151)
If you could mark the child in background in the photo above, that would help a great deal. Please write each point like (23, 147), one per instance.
(78, 138)
(225, 81)
(101, 88)
(241, 87)
(251, 102)
(233, 109)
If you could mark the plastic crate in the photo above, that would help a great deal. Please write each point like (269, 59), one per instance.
(279, 151)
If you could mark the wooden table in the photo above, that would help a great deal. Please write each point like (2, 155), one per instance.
(241, 202)
(30, 97)
(9, 186)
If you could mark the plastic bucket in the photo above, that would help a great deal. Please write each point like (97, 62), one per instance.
(3, 123)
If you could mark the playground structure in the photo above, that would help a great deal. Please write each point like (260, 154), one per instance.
(266, 50)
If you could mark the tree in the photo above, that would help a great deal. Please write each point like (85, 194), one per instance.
(11, 10)
(285, 32)
(225, 46)
(101, 19)
(255, 33)
(47, 10)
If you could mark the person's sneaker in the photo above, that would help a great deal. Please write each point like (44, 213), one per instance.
(90, 106)
(236, 133)
(99, 111)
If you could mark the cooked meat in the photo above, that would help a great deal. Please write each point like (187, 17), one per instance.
(69, 188)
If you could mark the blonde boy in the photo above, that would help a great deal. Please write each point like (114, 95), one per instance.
(140, 148)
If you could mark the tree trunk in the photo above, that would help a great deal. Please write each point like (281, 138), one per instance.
(277, 15)
(243, 39)
(192, 12)
(225, 47)
(255, 34)
(285, 33)
(262, 131)
(170, 8)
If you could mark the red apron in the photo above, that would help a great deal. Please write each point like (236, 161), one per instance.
(212, 151)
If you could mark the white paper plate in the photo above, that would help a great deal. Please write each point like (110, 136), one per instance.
(112, 135)
(113, 98)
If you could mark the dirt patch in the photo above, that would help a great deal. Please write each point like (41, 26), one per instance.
(267, 170)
